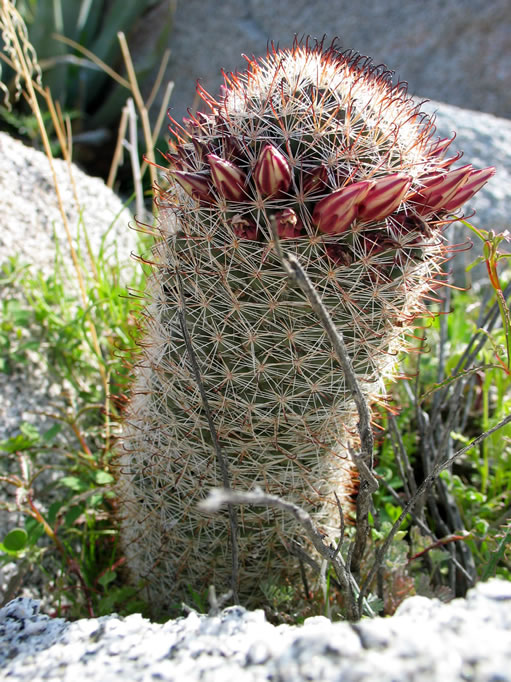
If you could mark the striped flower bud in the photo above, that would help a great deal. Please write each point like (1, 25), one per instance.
(335, 213)
(289, 225)
(228, 179)
(384, 197)
(437, 152)
(272, 174)
(476, 180)
(439, 190)
(195, 184)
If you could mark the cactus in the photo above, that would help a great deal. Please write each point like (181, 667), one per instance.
(323, 146)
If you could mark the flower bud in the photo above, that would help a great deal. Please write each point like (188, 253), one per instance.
(228, 179)
(289, 225)
(476, 180)
(315, 179)
(338, 254)
(335, 213)
(244, 228)
(437, 191)
(384, 197)
(272, 174)
(195, 184)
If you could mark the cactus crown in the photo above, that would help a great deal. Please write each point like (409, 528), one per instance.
(322, 146)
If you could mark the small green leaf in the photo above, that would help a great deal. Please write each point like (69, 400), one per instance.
(50, 433)
(74, 483)
(104, 478)
(107, 578)
(73, 514)
(30, 431)
(15, 540)
(26, 439)
(34, 530)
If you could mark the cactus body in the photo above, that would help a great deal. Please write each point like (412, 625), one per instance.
(347, 168)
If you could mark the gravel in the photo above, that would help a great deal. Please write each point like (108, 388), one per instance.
(467, 639)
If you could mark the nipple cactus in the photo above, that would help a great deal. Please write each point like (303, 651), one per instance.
(323, 146)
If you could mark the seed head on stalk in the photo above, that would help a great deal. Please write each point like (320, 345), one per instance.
(322, 145)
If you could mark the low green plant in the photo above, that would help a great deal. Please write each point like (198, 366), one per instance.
(458, 390)
(62, 480)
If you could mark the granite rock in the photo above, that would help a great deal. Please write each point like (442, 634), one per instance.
(426, 640)
(454, 51)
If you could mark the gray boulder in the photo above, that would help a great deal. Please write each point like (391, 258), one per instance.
(31, 221)
(31, 226)
(455, 51)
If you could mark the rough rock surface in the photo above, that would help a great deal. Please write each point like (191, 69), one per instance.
(425, 640)
(455, 51)
(31, 220)
(30, 226)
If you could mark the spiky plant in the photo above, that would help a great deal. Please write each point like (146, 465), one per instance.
(323, 147)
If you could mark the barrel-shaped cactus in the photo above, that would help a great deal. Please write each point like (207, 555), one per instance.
(321, 146)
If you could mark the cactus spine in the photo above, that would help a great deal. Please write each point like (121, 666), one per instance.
(345, 165)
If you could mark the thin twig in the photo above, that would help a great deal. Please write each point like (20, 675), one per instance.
(132, 147)
(233, 518)
(142, 109)
(364, 462)
(163, 110)
(220, 496)
(117, 157)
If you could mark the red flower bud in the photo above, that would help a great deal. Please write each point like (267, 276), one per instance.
(272, 174)
(174, 160)
(315, 179)
(244, 229)
(338, 254)
(335, 213)
(476, 180)
(438, 190)
(289, 225)
(195, 184)
(384, 197)
(227, 178)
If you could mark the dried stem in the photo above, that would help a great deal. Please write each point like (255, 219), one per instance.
(422, 490)
(219, 497)
(142, 109)
(364, 462)
(233, 518)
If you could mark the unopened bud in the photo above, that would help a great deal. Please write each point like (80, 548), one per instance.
(384, 197)
(315, 180)
(476, 180)
(439, 147)
(288, 224)
(195, 184)
(228, 179)
(272, 174)
(438, 191)
(338, 254)
(244, 228)
(335, 213)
